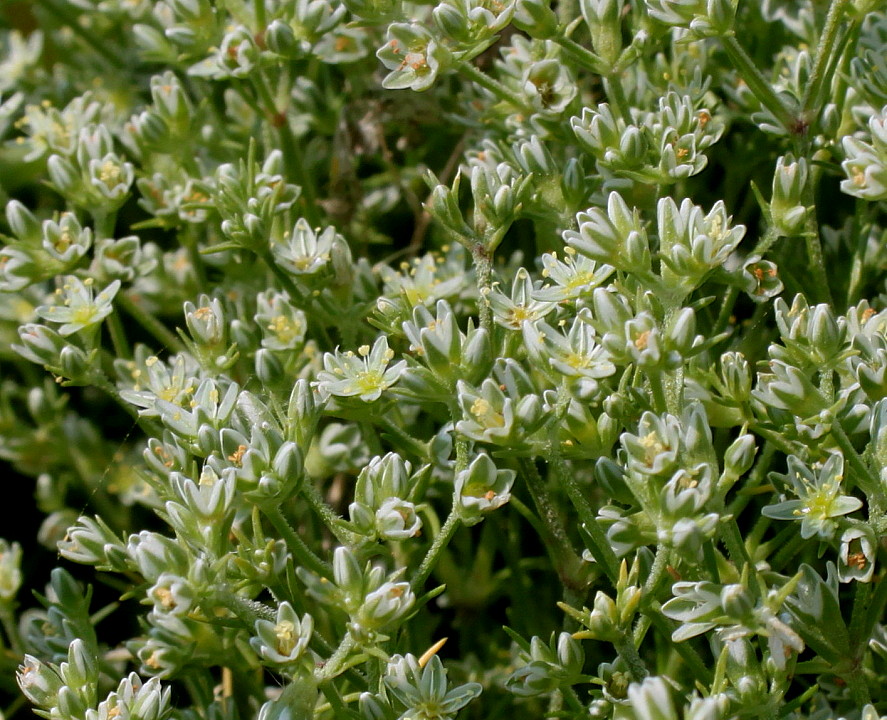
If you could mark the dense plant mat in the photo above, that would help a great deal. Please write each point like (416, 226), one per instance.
(383, 360)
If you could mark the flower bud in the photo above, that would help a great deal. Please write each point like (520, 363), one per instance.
(536, 18)
(603, 18)
(738, 460)
(787, 211)
(281, 40)
(23, 223)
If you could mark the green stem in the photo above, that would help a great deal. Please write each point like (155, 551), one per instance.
(860, 231)
(696, 664)
(784, 555)
(333, 666)
(616, 97)
(301, 552)
(335, 524)
(711, 561)
(858, 641)
(493, 86)
(601, 548)
(293, 160)
(732, 539)
(875, 610)
(102, 381)
(859, 689)
(259, 10)
(437, 547)
(814, 246)
(483, 267)
(527, 514)
(104, 223)
(774, 439)
(758, 84)
(629, 653)
(582, 55)
(118, 336)
(10, 627)
(99, 45)
(658, 391)
(766, 242)
(865, 479)
(823, 55)
(554, 537)
(726, 310)
(418, 448)
(161, 333)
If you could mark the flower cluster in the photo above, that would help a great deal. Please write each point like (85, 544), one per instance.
(335, 329)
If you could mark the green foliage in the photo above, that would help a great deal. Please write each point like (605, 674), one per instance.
(467, 319)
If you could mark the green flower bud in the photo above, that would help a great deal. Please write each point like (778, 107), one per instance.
(23, 224)
(738, 460)
(604, 21)
(281, 40)
(787, 211)
(536, 18)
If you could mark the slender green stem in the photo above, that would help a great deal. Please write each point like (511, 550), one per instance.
(493, 86)
(824, 53)
(418, 448)
(774, 439)
(95, 43)
(785, 553)
(293, 160)
(726, 311)
(756, 81)
(711, 561)
(334, 666)
(629, 653)
(696, 664)
(102, 381)
(440, 543)
(657, 574)
(860, 231)
(554, 537)
(875, 609)
(527, 514)
(866, 480)
(658, 391)
(157, 329)
(335, 524)
(857, 618)
(754, 480)
(616, 97)
(766, 242)
(259, 11)
(104, 223)
(12, 709)
(283, 278)
(118, 336)
(483, 266)
(601, 548)
(301, 552)
(732, 539)
(582, 55)
(859, 689)
(10, 627)
(814, 247)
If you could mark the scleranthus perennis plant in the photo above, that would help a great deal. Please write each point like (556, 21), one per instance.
(377, 359)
